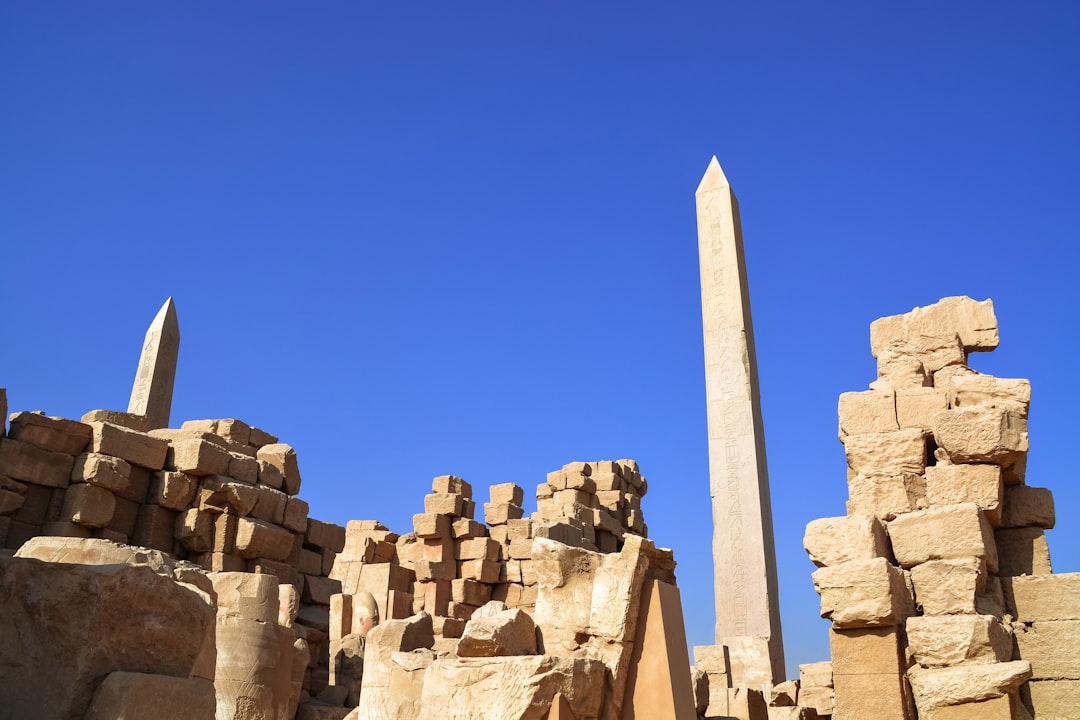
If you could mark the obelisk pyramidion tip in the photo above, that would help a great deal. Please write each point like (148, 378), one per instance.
(714, 177)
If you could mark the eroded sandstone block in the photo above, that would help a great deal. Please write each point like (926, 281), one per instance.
(943, 533)
(968, 683)
(134, 696)
(954, 639)
(831, 541)
(495, 631)
(864, 593)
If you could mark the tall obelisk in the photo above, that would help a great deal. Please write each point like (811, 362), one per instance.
(151, 395)
(744, 557)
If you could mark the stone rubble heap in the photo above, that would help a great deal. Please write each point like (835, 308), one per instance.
(938, 580)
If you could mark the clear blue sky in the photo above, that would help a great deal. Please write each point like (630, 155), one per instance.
(425, 238)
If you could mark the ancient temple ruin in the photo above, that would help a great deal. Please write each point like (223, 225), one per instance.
(175, 572)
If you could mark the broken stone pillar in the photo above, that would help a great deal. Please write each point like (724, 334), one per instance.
(744, 558)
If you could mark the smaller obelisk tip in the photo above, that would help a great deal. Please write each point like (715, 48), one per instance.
(713, 178)
(151, 395)
(166, 316)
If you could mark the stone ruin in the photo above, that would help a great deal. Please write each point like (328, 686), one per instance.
(938, 580)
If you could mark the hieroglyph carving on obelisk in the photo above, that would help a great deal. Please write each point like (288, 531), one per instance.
(744, 558)
(151, 395)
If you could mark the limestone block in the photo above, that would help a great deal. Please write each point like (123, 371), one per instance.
(325, 535)
(882, 697)
(979, 484)
(738, 702)
(1051, 648)
(111, 473)
(296, 515)
(243, 468)
(269, 504)
(127, 619)
(885, 497)
(467, 529)
(283, 458)
(270, 475)
(785, 694)
(31, 464)
(259, 438)
(485, 571)
(89, 505)
(497, 634)
(972, 321)
(1027, 506)
(969, 390)
(482, 548)
(220, 562)
(234, 430)
(429, 525)
(451, 484)
(948, 587)
(318, 590)
(916, 407)
(1022, 551)
(197, 457)
(866, 651)
(225, 533)
(932, 352)
(887, 454)
(1055, 700)
(937, 687)
(1043, 597)
(711, 659)
(133, 696)
(135, 447)
(943, 533)
(817, 674)
(831, 541)
(49, 433)
(195, 530)
(470, 592)
(1004, 707)
(822, 700)
(864, 593)
(955, 639)
(260, 539)
(517, 687)
(444, 504)
(501, 513)
(749, 661)
(507, 493)
(138, 423)
(872, 411)
(981, 434)
(172, 490)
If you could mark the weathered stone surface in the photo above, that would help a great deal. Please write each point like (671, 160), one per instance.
(136, 696)
(785, 694)
(864, 593)
(1022, 551)
(659, 682)
(171, 490)
(49, 433)
(831, 541)
(948, 587)
(94, 551)
(259, 539)
(88, 505)
(965, 683)
(255, 668)
(954, 639)
(1055, 700)
(135, 447)
(871, 411)
(500, 688)
(218, 491)
(881, 697)
(138, 423)
(507, 493)
(972, 483)
(395, 659)
(817, 674)
(1043, 597)
(887, 454)
(866, 651)
(1004, 707)
(283, 458)
(943, 533)
(246, 595)
(126, 620)
(981, 434)
(967, 390)
(498, 633)
(1027, 506)
(916, 407)
(972, 321)
(198, 458)
(1051, 647)
(31, 464)
(885, 496)
(111, 473)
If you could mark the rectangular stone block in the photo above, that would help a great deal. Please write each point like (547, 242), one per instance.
(154, 528)
(484, 571)
(31, 464)
(443, 504)
(135, 447)
(467, 528)
(296, 515)
(318, 590)
(451, 484)
(477, 549)
(507, 493)
(1027, 506)
(172, 490)
(864, 593)
(976, 389)
(981, 434)
(1051, 648)
(195, 530)
(198, 458)
(831, 541)
(872, 411)
(887, 454)
(943, 533)
(863, 696)
(269, 505)
(35, 505)
(49, 433)
(817, 674)
(243, 468)
(867, 651)
(1043, 597)
(1055, 699)
(88, 505)
(260, 539)
(948, 587)
(501, 513)
(917, 407)
(429, 525)
(885, 497)
(325, 535)
(954, 639)
(283, 458)
(225, 533)
(1003, 707)
(469, 592)
(1022, 551)
(955, 484)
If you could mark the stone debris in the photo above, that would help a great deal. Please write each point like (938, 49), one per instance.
(952, 613)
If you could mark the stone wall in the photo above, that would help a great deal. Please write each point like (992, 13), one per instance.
(938, 579)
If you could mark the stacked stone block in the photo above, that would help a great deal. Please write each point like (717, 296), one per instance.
(592, 505)
(939, 515)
